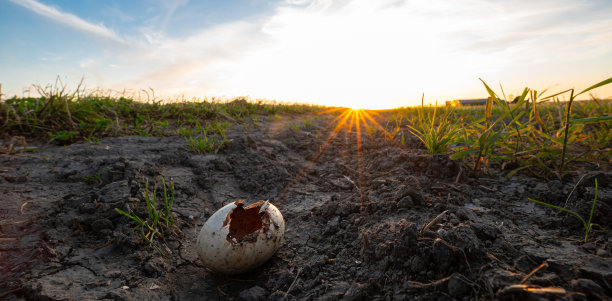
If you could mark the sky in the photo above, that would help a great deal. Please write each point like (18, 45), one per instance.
(353, 53)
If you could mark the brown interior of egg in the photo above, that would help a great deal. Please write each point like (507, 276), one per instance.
(243, 220)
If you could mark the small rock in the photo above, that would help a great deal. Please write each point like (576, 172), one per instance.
(602, 253)
(255, 293)
(332, 225)
(485, 231)
(113, 284)
(466, 214)
(154, 267)
(591, 289)
(101, 224)
(442, 233)
(87, 208)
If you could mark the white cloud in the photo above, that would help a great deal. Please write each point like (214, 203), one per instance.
(68, 19)
(355, 52)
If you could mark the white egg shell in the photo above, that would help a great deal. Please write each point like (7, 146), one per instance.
(238, 238)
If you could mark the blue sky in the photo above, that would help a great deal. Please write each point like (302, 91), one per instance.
(360, 53)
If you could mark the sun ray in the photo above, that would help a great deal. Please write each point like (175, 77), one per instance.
(358, 117)
(377, 125)
(338, 121)
(352, 122)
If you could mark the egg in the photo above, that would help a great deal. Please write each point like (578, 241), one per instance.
(239, 238)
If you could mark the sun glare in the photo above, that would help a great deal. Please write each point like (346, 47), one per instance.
(357, 124)
(352, 58)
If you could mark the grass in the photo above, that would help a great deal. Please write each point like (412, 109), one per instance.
(62, 116)
(588, 225)
(299, 125)
(158, 220)
(205, 143)
(436, 134)
(545, 136)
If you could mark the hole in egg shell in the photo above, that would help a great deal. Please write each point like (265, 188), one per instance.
(245, 222)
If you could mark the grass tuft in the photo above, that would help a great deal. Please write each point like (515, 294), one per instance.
(158, 220)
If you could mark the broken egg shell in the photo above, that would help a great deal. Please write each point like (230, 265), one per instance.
(236, 238)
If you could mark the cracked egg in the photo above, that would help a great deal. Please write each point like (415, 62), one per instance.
(238, 238)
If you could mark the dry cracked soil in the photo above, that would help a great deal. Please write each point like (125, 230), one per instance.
(368, 218)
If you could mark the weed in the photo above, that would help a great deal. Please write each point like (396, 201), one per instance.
(205, 143)
(587, 224)
(306, 123)
(436, 136)
(294, 126)
(100, 113)
(531, 135)
(63, 137)
(92, 179)
(150, 227)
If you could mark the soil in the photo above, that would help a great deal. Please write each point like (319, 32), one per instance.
(367, 218)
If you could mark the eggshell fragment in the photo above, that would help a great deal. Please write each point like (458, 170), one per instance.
(238, 238)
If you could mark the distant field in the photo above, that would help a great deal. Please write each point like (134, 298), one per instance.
(538, 134)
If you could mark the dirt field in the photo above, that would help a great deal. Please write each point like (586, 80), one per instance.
(361, 215)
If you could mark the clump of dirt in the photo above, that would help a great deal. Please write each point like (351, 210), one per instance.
(367, 218)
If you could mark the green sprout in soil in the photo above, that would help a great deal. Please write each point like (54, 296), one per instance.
(205, 143)
(537, 134)
(437, 139)
(587, 224)
(150, 227)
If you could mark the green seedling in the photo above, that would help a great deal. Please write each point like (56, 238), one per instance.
(568, 111)
(436, 134)
(63, 137)
(92, 179)
(294, 126)
(588, 225)
(207, 143)
(150, 227)
(306, 123)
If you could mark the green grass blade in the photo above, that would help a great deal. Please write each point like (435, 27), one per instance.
(562, 209)
(567, 123)
(133, 217)
(514, 171)
(591, 119)
(557, 94)
(463, 153)
(588, 230)
(597, 85)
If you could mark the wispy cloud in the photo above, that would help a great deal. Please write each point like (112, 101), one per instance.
(172, 6)
(68, 19)
(342, 52)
